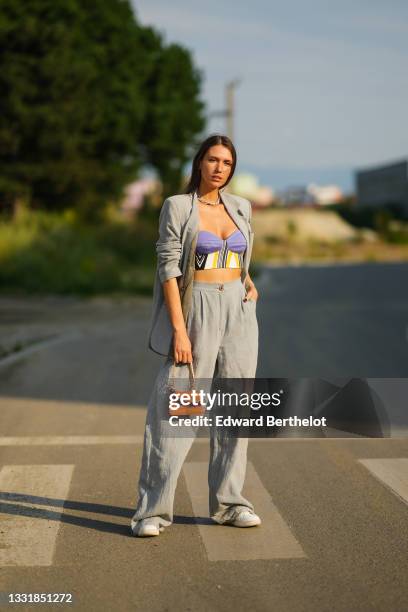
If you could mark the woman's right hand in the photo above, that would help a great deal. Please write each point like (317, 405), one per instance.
(182, 347)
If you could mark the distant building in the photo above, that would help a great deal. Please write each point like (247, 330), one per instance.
(312, 195)
(135, 194)
(325, 195)
(383, 185)
(297, 195)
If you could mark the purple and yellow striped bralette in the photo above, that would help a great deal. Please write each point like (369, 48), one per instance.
(214, 252)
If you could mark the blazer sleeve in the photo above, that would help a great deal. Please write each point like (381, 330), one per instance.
(249, 212)
(168, 246)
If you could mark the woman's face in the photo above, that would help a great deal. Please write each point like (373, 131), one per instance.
(216, 167)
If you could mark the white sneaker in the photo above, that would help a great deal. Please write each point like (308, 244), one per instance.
(246, 518)
(145, 530)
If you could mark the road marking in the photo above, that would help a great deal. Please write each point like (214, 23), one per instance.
(37, 346)
(67, 440)
(94, 440)
(271, 540)
(28, 532)
(391, 472)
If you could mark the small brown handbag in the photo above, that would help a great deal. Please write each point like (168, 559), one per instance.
(190, 409)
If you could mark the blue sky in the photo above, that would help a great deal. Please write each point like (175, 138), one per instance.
(324, 86)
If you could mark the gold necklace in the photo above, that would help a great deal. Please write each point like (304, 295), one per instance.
(207, 201)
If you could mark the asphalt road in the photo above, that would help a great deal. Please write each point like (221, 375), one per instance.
(72, 408)
(341, 321)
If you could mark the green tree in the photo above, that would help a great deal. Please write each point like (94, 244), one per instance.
(80, 83)
(175, 115)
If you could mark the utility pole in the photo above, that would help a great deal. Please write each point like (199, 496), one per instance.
(229, 95)
(228, 112)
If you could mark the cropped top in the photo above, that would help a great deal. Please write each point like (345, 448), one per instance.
(214, 252)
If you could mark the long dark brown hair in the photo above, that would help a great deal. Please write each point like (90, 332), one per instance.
(214, 139)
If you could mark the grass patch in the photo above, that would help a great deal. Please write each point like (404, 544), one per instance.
(42, 252)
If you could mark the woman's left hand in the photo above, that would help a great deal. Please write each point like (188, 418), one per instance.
(252, 293)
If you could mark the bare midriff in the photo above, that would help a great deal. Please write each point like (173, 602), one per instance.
(217, 275)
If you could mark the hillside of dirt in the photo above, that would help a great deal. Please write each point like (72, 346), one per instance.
(301, 236)
(304, 225)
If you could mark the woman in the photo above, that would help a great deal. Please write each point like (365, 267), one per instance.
(204, 313)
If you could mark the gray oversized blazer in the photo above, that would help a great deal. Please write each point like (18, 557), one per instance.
(178, 231)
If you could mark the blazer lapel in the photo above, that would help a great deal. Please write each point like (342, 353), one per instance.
(235, 212)
(192, 225)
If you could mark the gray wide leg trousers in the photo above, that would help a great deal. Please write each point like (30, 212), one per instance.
(223, 330)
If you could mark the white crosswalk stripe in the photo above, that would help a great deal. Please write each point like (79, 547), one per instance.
(29, 522)
(271, 540)
(67, 440)
(28, 530)
(393, 473)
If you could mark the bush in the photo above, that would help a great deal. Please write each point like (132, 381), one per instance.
(43, 252)
(368, 216)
